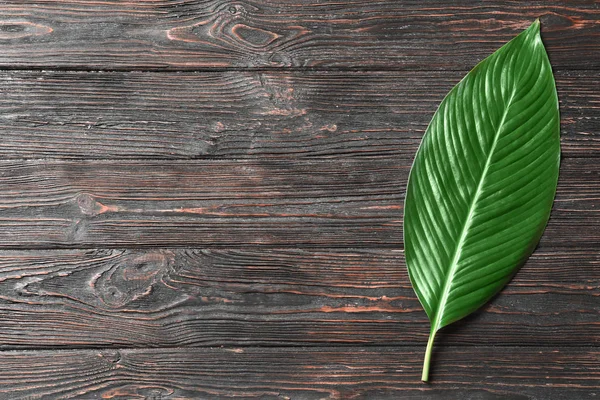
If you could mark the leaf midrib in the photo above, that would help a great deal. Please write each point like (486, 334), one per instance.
(453, 267)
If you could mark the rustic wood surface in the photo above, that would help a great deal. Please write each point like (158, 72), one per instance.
(195, 34)
(202, 199)
(384, 373)
(257, 115)
(299, 203)
(284, 297)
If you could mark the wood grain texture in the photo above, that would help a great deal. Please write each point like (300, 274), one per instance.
(346, 203)
(282, 373)
(237, 180)
(199, 297)
(247, 114)
(165, 34)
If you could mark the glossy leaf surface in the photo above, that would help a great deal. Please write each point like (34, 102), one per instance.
(483, 181)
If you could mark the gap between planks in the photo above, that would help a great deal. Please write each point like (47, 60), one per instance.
(51, 69)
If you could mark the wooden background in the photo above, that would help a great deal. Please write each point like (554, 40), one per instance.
(202, 199)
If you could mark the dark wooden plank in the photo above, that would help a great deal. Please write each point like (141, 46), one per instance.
(194, 297)
(246, 114)
(283, 373)
(342, 203)
(292, 33)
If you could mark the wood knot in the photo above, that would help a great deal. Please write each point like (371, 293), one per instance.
(560, 22)
(87, 204)
(236, 27)
(234, 9)
(110, 356)
(90, 207)
(132, 278)
(22, 29)
(254, 37)
(329, 128)
(138, 391)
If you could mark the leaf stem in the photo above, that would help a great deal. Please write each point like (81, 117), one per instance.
(425, 376)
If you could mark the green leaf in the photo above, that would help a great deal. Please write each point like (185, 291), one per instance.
(483, 181)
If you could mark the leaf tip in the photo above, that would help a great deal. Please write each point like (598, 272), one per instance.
(533, 31)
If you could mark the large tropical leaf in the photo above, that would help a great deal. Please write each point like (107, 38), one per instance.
(482, 184)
